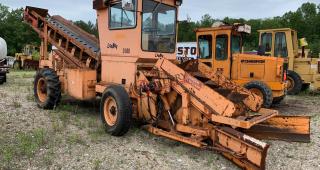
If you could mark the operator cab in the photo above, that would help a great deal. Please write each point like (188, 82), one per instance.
(217, 44)
(137, 28)
(133, 35)
(278, 42)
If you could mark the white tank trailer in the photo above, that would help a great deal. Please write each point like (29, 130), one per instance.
(3, 48)
(3, 55)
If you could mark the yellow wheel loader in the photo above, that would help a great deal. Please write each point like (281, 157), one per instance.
(220, 48)
(302, 70)
(28, 59)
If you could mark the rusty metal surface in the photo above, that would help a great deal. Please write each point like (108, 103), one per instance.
(73, 31)
(70, 40)
(287, 128)
(249, 153)
(42, 12)
(235, 92)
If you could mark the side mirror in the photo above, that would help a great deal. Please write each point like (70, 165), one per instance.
(127, 5)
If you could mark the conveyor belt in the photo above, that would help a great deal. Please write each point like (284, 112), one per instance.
(75, 44)
(69, 31)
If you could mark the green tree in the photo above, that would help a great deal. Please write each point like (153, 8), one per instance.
(88, 27)
(186, 31)
(206, 21)
(305, 20)
(16, 33)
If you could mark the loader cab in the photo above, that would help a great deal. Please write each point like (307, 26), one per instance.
(29, 50)
(280, 43)
(217, 45)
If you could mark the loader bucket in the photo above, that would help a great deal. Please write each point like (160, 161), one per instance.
(286, 128)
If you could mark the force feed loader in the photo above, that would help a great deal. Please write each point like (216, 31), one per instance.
(133, 69)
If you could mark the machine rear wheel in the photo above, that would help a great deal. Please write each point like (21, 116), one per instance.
(47, 89)
(262, 90)
(294, 83)
(115, 110)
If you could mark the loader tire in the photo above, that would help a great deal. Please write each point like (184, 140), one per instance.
(294, 83)
(17, 65)
(278, 100)
(116, 111)
(47, 89)
(305, 87)
(262, 90)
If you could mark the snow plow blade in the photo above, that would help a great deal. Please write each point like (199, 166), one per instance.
(286, 128)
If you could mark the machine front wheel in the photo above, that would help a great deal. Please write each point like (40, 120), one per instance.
(115, 110)
(262, 90)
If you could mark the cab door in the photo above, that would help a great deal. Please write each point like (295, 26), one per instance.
(205, 45)
(221, 53)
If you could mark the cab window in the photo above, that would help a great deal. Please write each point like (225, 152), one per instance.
(280, 49)
(266, 41)
(158, 27)
(236, 44)
(205, 46)
(120, 18)
(221, 47)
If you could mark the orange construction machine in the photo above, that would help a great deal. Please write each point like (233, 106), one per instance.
(133, 69)
(220, 48)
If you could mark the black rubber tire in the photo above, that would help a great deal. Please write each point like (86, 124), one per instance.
(264, 89)
(278, 100)
(305, 86)
(17, 65)
(1, 79)
(53, 88)
(297, 83)
(124, 112)
(5, 78)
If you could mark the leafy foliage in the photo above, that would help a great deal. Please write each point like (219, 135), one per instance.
(88, 27)
(306, 20)
(16, 33)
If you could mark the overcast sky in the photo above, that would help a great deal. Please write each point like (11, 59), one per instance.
(248, 9)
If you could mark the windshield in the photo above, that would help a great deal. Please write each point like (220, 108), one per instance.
(158, 27)
(205, 46)
(236, 44)
(266, 41)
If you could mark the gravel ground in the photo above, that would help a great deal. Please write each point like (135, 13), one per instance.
(71, 137)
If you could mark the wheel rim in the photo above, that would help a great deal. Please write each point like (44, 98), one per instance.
(290, 83)
(257, 92)
(110, 111)
(42, 90)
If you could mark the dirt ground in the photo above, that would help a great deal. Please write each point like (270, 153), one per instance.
(72, 137)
